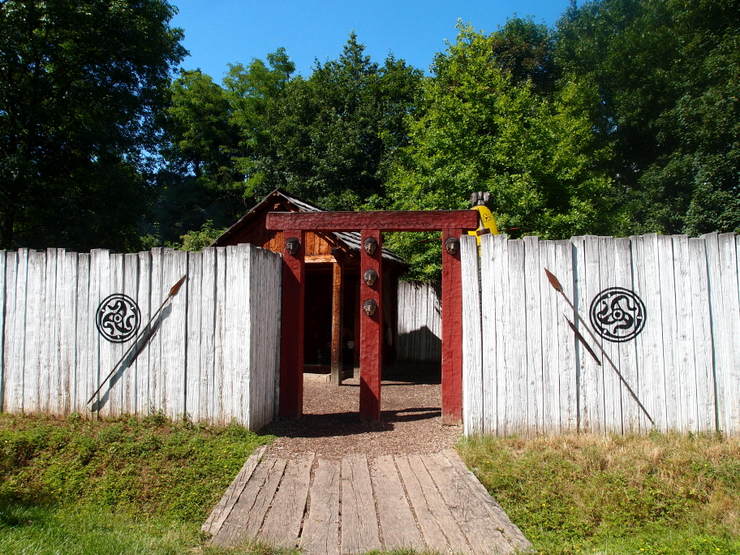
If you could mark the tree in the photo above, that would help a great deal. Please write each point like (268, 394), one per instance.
(81, 84)
(666, 72)
(479, 130)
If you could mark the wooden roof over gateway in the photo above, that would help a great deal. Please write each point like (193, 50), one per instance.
(350, 239)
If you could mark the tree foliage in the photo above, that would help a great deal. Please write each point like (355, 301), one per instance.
(481, 128)
(667, 77)
(82, 83)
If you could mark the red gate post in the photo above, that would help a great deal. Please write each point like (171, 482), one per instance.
(451, 327)
(291, 334)
(371, 323)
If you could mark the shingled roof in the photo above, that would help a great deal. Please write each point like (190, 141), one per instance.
(349, 238)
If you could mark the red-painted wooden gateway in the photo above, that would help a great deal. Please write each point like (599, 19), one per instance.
(302, 233)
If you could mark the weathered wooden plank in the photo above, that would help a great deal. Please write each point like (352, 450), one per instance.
(729, 372)
(407, 220)
(516, 345)
(194, 325)
(33, 372)
(701, 326)
(174, 336)
(397, 524)
(552, 311)
(206, 353)
(157, 292)
(264, 325)
(508, 529)
(248, 513)
(12, 356)
(143, 297)
(668, 327)
(283, 521)
(320, 533)
(627, 351)
(497, 379)
(242, 366)
(3, 310)
(85, 329)
(223, 509)
(684, 345)
(482, 532)
(533, 320)
(48, 369)
(612, 396)
(111, 282)
(472, 336)
(67, 290)
(337, 289)
(436, 505)
(129, 379)
(359, 519)
(221, 394)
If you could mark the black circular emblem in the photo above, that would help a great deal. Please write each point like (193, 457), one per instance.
(118, 318)
(618, 314)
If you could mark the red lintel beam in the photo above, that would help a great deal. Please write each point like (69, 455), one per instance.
(381, 220)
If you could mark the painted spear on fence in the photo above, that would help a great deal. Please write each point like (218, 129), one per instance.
(559, 288)
(173, 291)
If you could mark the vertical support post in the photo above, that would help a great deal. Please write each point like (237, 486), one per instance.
(291, 335)
(371, 327)
(451, 327)
(336, 323)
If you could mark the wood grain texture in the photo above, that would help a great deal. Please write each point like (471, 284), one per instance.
(419, 322)
(359, 519)
(371, 330)
(473, 393)
(397, 523)
(320, 533)
(419, 220)
(291, 333)
(282, 524)
(451, 389)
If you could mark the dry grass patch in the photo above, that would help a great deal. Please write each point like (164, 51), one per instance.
(660, 493)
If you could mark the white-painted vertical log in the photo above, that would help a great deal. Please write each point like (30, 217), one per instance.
(490, 342)
(84, 322)
(3, 310)
(264, 335)
(194, 296)
(157, 297)
(33, 389)
(48, 372)
(611, 384)
(67, 294)
(500, 270)
(626, 351)
(567, 390)
(221, 406)
(174, 335)
(552, 311)
(669, 335)
(473, 392)
(208, 304)
(701, 327)
(533, 338)
(14, 322)
(517, 370)
(728, 379)
(143, 297)
(129, 379)
(684, 346)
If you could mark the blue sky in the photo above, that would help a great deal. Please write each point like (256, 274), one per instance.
(219, 32)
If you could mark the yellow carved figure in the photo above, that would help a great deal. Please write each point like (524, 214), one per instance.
(487, 223)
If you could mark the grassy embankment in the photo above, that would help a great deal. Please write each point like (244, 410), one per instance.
(75, 486)
(648, 494)
(91, 487)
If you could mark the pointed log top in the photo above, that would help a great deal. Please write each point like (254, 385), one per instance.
(176, 287)
(553, 281)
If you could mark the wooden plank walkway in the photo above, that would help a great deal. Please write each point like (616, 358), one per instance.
(354, 505)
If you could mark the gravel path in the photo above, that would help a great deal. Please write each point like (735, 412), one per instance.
(331, 428)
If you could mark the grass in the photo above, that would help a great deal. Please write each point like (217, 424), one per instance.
(125, 486)
(661, 493)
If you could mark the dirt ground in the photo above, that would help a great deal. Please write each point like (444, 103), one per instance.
(331, 427)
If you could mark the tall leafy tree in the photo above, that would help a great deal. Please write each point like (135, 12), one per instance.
(80, 84)
(666, 72)
(480, 129)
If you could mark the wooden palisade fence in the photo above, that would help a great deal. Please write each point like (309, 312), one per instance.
(419, 322)
(525, 372)
(211, 356)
